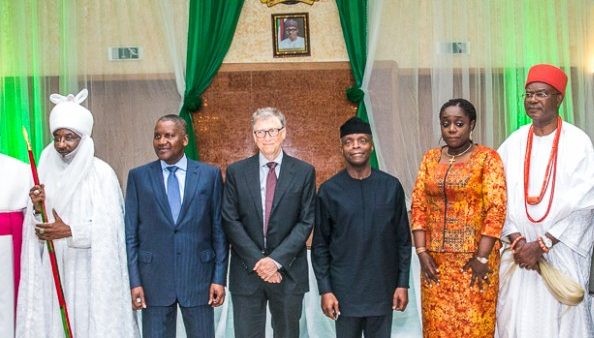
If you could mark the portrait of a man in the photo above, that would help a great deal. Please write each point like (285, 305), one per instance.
(292, 39)
(290, 34)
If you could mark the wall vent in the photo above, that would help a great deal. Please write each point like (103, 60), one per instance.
(456, 47)
(124, 53)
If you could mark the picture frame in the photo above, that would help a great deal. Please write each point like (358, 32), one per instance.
(290, 35)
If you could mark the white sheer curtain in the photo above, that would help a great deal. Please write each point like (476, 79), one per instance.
(176, 36)
(125, 96)
(411, 74)
(61, 46)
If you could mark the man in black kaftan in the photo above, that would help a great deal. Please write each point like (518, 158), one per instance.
(361, 247)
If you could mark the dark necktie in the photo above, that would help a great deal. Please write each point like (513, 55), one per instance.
(270, 186)
(173, 194)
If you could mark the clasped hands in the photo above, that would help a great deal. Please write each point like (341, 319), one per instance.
(527, 254)
(267, 270)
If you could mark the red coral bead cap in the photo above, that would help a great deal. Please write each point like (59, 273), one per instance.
(548, 74)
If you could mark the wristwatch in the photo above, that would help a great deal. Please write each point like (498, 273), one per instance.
(547, 242)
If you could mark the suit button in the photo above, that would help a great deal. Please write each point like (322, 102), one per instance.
(179, 253)
(175, 231)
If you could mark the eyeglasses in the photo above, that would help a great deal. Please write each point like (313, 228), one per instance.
(272, 132)
(291, 29)
(541, 95)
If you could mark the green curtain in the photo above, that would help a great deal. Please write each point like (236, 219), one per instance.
(22, 102)
(210, 32)
(540, 43)
(353, 19)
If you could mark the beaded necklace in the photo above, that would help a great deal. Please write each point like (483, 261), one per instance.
(550, 171)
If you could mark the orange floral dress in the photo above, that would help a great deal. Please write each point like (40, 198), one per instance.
(455, 205)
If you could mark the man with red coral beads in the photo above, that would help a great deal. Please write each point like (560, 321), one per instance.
(549, 166)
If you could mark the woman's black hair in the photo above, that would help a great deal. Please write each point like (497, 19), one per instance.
(465, 105)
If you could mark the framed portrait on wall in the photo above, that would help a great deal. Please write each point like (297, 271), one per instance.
(290, 35)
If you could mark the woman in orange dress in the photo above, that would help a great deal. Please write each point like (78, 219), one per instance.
(458, 210)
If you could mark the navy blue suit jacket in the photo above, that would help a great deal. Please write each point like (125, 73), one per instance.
(175, 261)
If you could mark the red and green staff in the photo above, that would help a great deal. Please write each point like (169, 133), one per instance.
(50, 247)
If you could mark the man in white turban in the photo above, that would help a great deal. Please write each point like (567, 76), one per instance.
(86, 223)
(15, 181)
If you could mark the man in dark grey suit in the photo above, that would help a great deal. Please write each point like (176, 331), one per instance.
(177, 251)
(268, 214)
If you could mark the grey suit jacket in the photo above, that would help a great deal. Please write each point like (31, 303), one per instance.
(175, 261)
(291, 222)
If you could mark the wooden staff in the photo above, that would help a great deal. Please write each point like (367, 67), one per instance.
(50, 247)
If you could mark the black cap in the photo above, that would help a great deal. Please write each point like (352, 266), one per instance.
(355, 125)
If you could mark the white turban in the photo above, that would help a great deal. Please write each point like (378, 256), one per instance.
(69, 114)
(62, 174)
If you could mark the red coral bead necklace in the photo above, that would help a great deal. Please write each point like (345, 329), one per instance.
(551, 172)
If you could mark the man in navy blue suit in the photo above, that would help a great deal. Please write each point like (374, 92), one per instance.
(177, 250)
